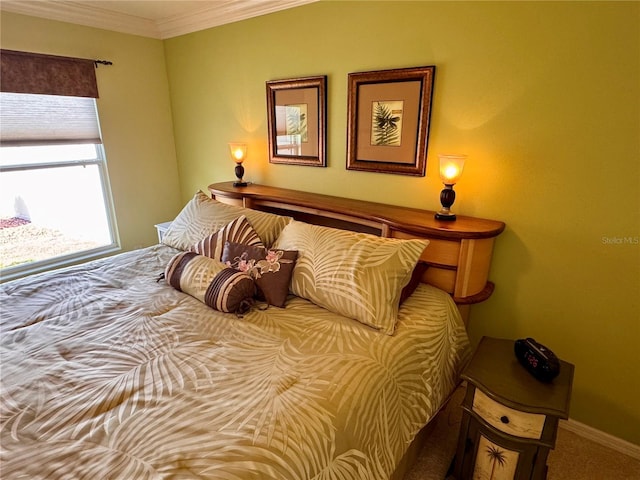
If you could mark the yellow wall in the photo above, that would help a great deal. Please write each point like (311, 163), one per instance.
(134, 111)
(543, 97)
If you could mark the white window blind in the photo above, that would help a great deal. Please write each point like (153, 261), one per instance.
(28, 119)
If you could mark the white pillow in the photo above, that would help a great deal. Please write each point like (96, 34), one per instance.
(203, 216)
(357, 275)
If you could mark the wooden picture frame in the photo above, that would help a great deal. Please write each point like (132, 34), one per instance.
(388, 120)
(296, 121)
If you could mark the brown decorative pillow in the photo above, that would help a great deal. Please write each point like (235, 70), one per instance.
(271, 269)
(416, 276)
(238, 231)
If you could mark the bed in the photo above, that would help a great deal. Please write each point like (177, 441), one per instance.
(122, 368)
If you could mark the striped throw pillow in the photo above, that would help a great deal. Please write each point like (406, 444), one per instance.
(210, 281)
(237, 231)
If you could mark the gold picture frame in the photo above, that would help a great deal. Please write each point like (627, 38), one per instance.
(296, 121)
(388, 120)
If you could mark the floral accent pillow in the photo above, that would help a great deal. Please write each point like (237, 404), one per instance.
(271, 269)
(238, 231)
(357, 275)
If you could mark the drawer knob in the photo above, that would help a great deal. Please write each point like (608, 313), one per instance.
(504, 419)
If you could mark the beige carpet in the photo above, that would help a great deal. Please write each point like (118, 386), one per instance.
(438, 452)
(574, 458)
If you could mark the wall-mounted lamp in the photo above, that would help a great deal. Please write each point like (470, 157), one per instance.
(238, 153)
(451, 167)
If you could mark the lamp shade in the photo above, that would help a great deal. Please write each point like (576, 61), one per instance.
(451, 167)
(238, 152)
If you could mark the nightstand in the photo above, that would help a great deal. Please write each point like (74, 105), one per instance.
(162, 229)
(509, 419)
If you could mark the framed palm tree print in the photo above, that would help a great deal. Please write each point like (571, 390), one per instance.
(296, 121)
(388, 120)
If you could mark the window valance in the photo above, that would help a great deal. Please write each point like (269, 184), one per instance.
(25, 72)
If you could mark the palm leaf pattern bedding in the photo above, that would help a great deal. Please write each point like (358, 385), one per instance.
(108, 374)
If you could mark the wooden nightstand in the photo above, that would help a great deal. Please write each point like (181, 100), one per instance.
(509, 419)
(162, 229)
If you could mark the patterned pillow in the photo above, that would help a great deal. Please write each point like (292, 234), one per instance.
(238, 231)
(357, 275)
(203, 216)
(271, 269)
(211, 282)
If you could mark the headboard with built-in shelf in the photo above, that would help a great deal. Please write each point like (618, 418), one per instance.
(458, 255)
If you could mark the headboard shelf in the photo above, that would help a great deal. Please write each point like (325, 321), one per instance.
(369, 213)
(458, 255)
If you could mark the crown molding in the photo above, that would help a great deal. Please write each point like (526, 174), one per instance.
(83, 14)
(221, 13)
(212, 14)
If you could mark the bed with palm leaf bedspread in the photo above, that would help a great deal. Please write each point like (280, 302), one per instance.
(108, 373)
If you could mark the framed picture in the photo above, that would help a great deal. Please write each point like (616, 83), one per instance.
(297, 121)
(389, 113)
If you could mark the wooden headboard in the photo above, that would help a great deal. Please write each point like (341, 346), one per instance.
(458, 255)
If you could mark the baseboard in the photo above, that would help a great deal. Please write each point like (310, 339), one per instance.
(602, 438)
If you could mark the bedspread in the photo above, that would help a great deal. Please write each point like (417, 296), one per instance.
(109, 374)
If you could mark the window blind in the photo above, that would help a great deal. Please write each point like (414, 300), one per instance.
(27, 119)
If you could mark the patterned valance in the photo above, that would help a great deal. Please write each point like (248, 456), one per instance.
(24, 72)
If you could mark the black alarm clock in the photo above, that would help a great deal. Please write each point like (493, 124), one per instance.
(539, 361)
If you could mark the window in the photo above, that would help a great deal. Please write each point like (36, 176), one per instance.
(55, 200)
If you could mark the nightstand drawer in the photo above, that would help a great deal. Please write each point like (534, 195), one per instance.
(507, 420)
